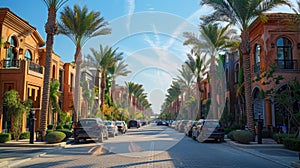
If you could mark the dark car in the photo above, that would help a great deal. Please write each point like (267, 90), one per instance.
(211, 129)
(90, 128)
(122, 126)
(134, 124)
(162, 122)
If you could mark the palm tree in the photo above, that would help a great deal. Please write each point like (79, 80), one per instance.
(198, 67)
(51, 30)
(80, 25)
(54, 95)
(103, 59)
(242, 13)
(118, 69)
(213, 39)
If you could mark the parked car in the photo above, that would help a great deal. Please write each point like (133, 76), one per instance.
(181, 125)
(211, 129)
(188, 129)
(196, 128)
(122, 126)
(90, 128)
(112, 128)
(134, 123)
(162, 122)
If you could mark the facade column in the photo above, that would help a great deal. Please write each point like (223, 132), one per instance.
(268, 114)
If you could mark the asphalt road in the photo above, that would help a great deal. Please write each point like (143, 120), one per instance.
(150, 146)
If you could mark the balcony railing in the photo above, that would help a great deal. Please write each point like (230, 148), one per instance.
(287, 64)
(10, 64)
(35, 67)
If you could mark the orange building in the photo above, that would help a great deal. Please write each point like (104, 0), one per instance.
(276, 41)
(22, 63)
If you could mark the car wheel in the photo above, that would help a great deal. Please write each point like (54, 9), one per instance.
(76, 140)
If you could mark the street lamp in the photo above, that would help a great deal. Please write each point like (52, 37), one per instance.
(31, 126)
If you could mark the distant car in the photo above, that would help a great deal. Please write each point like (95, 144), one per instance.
(134, 124)
(211, 129)
(161, 122)
(122, 126)
(188, 129)
(90, 128)
(112, 128)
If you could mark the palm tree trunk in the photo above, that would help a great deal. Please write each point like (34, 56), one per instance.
(245, 50)
(103, 86)
(199, 116)
(214, 111)
(51, 30)
(113, 85)
(78, 61)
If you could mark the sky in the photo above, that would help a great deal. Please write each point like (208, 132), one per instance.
(148, 32)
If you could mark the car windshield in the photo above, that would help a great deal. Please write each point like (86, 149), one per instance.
(119, 123)
(211, 124)
(86, 123)
(108, 123)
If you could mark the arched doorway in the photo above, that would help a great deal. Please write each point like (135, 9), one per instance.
(258, 105)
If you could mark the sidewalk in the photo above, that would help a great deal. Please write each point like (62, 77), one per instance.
(270, 150)
(26, 151)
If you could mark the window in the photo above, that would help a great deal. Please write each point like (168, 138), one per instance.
(284, 53)
(28, 55)
(256, 67)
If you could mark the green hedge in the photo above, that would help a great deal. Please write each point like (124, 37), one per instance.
(67, 132)
(67, 126)
(292, 143)
(59, 127)
(25, 135)
(278, 137)
(55, 137)
(50, 127)
(241, 136)
(4, 137)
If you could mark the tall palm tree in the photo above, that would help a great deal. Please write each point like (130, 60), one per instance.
(242, 13)
(213, 39)
(103, 59)
(198, 64)
(118, 69)
(80, 25)
(51, 30)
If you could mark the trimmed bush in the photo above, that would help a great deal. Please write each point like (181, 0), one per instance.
(4, 137)
(67, 126)
(228, 130)
(48, 131)
(292, 143)
(230, 135)
(278, 137)
(55, 137)
(243, 136)
(59, 127)
(50, 127)
(25, 135)
(68, 133)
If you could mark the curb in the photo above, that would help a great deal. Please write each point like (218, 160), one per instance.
(32, 145)
(254, 145)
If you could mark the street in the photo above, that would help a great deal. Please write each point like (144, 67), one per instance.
(150, 146)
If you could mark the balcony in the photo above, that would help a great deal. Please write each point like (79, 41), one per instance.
(287, 64)
(35, 67)
(7, 64)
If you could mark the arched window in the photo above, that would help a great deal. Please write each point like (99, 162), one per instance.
(257, 58)
(11, 54)
(28, 55)
(284, 53)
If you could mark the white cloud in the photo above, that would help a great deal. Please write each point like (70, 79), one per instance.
(131, 8)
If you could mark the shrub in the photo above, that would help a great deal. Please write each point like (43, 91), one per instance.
(50, 127)
(228, 130)
(59, 127)
(278, 137)
(292, 143)
(230, 135)
(48, 131)
(68, 133)
(25, 135)
(242, 136)
(4, 137)
(55, 137)
(67, 126)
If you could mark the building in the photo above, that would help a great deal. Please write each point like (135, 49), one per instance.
(274, 42)
(22, 63)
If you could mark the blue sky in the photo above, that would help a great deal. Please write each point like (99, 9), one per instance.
(148, 32)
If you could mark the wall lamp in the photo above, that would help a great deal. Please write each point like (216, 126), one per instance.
(272, 45)
(6, 44)
(21, 50)
(298, 45)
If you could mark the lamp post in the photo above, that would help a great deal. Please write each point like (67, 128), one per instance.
(259, 127)
(31, 126)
